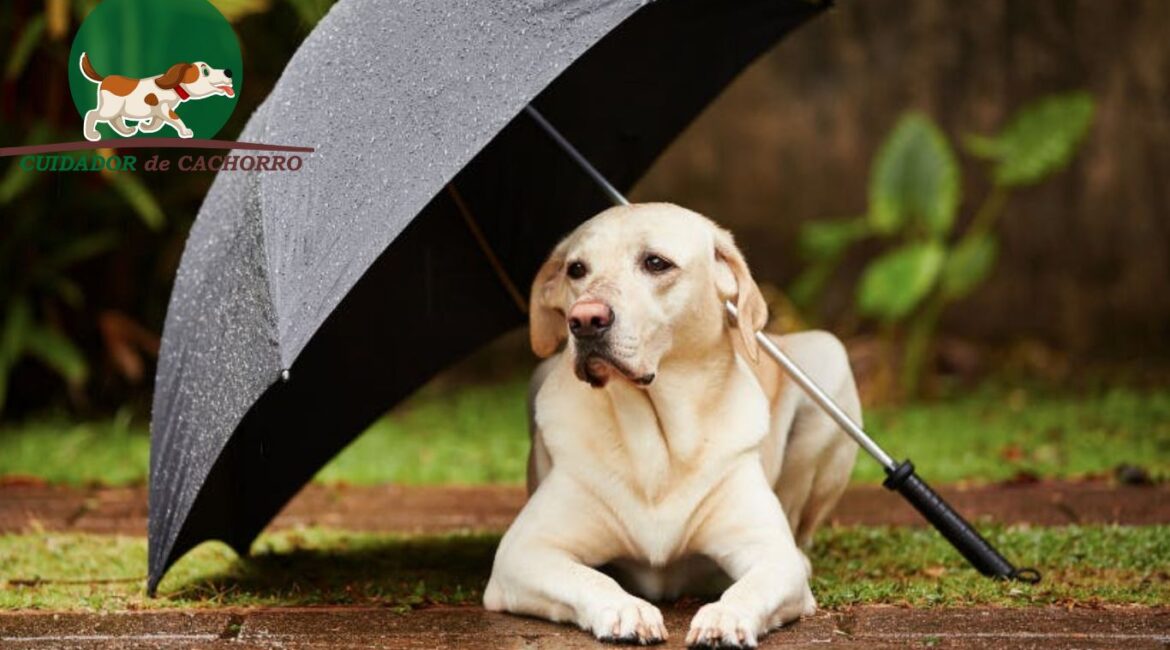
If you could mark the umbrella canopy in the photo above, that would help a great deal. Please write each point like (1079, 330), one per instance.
(309, 303)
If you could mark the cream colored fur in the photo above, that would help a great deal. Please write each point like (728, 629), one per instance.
(714, 474)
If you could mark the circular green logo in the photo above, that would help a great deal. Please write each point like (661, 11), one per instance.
(155, 68)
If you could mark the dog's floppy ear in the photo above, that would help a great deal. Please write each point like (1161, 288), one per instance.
(174, 76)
(546, 318)
(734, 282)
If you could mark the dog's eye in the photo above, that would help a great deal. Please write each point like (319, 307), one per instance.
(206, 72)
(577, 270)
(656, 264)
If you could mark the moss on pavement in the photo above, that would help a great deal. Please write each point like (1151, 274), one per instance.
(1089, 565)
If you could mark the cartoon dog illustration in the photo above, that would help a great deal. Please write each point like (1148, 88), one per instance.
(151, 101)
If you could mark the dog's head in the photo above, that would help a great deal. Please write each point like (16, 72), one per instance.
(198, 79)
(640, 284)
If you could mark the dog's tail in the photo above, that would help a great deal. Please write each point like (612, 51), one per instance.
(88, 71)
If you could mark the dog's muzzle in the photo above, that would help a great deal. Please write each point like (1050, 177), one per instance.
(594, 365)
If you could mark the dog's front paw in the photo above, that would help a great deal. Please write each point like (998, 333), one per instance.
(809, 603)
(718, 625)
(631, 621)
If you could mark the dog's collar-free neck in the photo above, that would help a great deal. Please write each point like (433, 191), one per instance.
(183, 94)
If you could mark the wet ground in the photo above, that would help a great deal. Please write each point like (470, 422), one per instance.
(439, 509)
(861, 627)
(31, 507)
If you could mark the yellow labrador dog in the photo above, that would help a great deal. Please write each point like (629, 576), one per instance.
(663, 451)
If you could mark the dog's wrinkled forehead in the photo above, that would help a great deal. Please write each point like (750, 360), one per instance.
(660, 228)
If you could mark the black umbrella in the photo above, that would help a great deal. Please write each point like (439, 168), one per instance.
(308, 303)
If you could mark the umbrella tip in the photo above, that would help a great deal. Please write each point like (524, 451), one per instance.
(284, 375)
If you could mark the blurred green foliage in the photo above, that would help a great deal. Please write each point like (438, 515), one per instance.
(478, 434)
(915, 192)
(87, 260)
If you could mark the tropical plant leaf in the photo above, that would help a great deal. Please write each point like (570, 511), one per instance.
(17, 180)
(16, 326)
(808, 285)
(968, 265)
(1039, 140)
(23, 47)
(12, 336)
(58, 353)
(981, 146)
(57, 18)
(915, 179)
(77, 251)
(141, 200)
(311, 11)
(68, 291)
(895, 283)
(235, 10)
(3, 387)
(81, 9)
(827, 239)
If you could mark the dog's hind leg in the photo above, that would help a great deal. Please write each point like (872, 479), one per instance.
(123, 129)
(152, 125)
(819, 456)
(90, 131)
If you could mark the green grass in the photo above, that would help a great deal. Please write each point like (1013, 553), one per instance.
(471, 435)
(1090, 565)
(112, 452)
(994, 434)
(478, 434)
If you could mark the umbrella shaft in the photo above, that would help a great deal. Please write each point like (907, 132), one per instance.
(809, 386)
(603, 182)
(818, 395)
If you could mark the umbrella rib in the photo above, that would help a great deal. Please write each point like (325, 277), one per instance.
(486, 247)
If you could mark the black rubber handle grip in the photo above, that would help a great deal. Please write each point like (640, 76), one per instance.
(978, 551)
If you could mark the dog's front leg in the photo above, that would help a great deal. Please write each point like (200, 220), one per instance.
(543, 568)
(748, 535)
(176, 122)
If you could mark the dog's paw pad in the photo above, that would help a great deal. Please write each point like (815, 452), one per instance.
(719, 626)
(635, 622)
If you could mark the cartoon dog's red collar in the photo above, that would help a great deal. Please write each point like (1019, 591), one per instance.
(183, 94)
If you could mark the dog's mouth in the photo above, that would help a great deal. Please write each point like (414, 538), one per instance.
(227, 90)
(595, 368)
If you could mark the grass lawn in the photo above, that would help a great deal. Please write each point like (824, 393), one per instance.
(1091, 565)
(477, 434)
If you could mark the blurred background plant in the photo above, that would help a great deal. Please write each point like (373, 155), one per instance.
(1079, 258)
(87, 260)
(915, 188)
(1033, 332)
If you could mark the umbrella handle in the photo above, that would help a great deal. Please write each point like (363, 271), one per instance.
(957, 530)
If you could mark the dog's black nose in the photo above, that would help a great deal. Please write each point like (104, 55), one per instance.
(590, 319)
(227, 73)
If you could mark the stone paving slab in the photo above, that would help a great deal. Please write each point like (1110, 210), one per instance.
(470, 627)
(395, 508)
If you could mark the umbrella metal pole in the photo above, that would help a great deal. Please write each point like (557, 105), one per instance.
(900, 477)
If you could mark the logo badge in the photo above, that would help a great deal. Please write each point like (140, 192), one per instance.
(154, 68)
